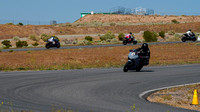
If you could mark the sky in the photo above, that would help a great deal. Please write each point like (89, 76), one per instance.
(69, 10)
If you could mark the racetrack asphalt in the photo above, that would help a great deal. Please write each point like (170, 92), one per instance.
(92, 90)
(86, 46)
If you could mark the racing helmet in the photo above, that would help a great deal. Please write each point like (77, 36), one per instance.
(145, 47)
(131, 33)
(189, 30)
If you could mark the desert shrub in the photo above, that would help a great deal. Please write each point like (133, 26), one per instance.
(177, 36)
(114, 40)
(108, 35)
(150, 36)
(71, 41)
(15, 38)
(10, 51)
(112, 24)
(162, 34)
(84, 42)
(6, 43)
(21, 44)
(9, 23)
(121, 36)
(35, 44)
(34, 38)
(44, 37)
(20, 24)
(175, 21)
(68, 24)
(88, 38)
(171, 32)
(174, 38)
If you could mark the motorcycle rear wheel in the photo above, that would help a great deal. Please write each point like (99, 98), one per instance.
(58, 46)
(183, 39)
(124, 42)
(139, 68)
(194, 39)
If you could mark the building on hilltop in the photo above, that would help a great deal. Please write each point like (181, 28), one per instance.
(123, 10)
(137, 11)
(142, 11)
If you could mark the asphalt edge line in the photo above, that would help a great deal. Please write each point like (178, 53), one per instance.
(147, 93)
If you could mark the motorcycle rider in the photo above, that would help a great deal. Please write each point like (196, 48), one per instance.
(189, 33)
(144, 50)
(130, 36)
(52, 39)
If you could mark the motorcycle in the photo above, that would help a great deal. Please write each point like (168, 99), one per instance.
(136, 60)
(185, 37)
(129, 40)
(50, 44)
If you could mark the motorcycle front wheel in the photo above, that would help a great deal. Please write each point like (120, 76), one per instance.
(134, 42)
(194, 39)
(126, 67)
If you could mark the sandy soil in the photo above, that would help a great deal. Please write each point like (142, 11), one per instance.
(178, 97)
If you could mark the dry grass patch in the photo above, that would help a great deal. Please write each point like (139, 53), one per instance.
(184, 53)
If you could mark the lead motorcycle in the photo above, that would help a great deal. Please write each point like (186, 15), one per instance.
(136, 60)
(50, 44)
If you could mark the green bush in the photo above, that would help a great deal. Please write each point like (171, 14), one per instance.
(10, 50)
(68, 24)
(88, 38)
(84, 42)
(21, 44)
(121, 36)
(44, 37)
(177, 36)
(175, 21)
(112, 24)
(20, 24)
(16, 38)
(162, 34)
(108, 35)
(35, 44)
(6, 43)
(150, 36)
(34, 38)
(171, 32)
(9, 23)
(114, 40)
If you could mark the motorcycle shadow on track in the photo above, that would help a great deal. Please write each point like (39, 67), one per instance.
(141, 71)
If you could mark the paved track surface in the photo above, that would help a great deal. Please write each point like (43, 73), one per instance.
(87, 46)
(92, 90)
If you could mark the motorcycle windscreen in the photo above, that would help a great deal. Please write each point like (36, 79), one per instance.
(132, 55)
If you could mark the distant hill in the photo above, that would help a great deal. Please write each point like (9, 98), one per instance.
(115, 18)
(100, 24)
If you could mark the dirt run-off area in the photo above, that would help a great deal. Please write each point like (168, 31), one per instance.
(62, 59)
(178, 97)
